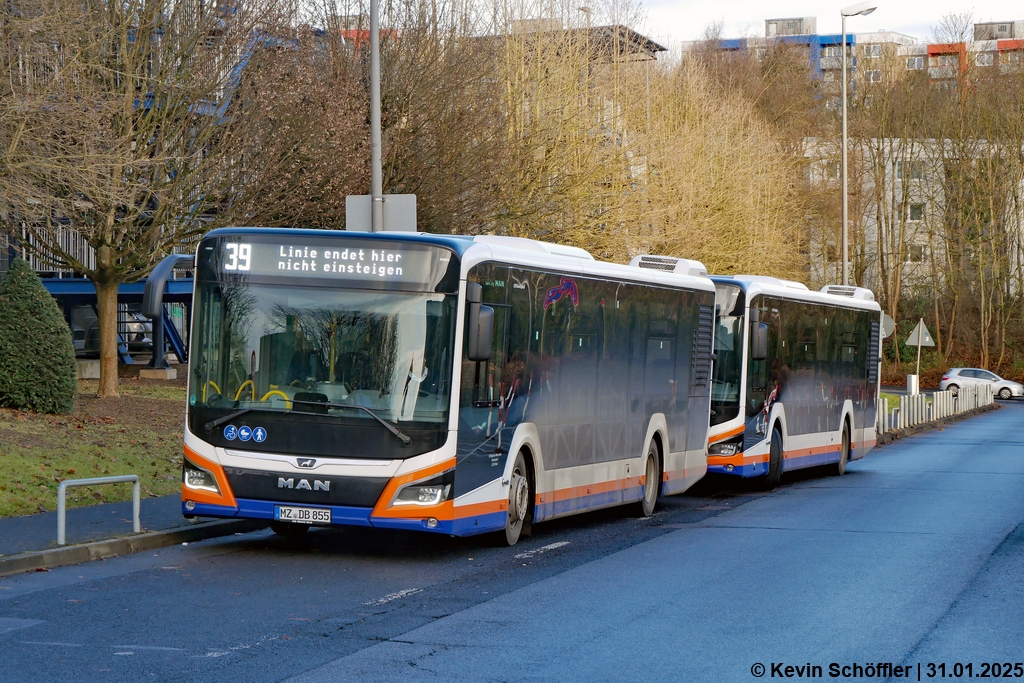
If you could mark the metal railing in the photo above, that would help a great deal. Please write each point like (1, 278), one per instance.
(96, 481)
(923, 408)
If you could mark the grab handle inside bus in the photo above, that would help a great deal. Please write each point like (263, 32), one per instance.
(480, 327)
(759, 341)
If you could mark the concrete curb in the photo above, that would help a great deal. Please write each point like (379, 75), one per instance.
(889, 437)
(98, 550)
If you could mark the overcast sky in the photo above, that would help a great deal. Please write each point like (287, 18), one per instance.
(672, 21)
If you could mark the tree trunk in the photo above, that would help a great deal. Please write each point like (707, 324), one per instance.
(106, 305)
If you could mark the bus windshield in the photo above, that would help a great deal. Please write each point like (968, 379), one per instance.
(311, 360)
(728, 366)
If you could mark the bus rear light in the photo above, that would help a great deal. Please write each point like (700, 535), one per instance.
(196, 478)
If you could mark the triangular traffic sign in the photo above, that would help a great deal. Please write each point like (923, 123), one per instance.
(920, 336)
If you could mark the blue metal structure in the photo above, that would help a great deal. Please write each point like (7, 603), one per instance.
(72, 292)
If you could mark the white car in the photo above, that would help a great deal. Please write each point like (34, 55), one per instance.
(964, 377)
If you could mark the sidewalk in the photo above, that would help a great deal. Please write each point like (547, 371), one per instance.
(91, 523)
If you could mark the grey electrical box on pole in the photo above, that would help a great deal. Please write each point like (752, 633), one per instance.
(398, 213)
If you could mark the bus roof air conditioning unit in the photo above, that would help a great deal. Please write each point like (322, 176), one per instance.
(852, 292)
(670, 264)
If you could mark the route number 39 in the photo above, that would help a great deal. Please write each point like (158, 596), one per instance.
(239, 256)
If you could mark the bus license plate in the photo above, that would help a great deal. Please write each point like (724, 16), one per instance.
(302, 515)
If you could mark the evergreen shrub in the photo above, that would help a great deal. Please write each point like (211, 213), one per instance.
(37, 357)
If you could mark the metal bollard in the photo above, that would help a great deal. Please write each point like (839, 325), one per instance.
(97, 481)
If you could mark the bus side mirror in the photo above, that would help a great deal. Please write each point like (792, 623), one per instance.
(759, 341)
(479, 326)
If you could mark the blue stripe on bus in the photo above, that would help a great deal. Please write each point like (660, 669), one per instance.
(752, 470)
(543, 511)
(814, 460)
(264, 509)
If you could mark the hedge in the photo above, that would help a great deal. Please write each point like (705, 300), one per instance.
(37, 356)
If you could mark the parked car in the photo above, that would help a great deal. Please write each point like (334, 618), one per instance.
(965, 377)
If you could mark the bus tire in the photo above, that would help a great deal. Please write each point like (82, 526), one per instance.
(520, 493)
(289, 530)
(774, 476)
(652, 482)
(839, 469)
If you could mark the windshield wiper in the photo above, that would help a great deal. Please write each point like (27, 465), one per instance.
(213, 424)
(403, 437)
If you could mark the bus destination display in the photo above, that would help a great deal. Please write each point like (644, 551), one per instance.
(359, 262)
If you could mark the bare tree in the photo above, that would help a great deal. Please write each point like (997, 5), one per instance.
(109, 125)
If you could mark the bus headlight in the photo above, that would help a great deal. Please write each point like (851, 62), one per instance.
(731, 447)
(431, 491)
(198, 479)
(423, 495)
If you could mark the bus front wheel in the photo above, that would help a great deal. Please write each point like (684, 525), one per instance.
(520, 493)
(652, 481)
(774, 476)
(844, 453)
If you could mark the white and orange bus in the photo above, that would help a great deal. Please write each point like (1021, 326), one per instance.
(796, 377)
(458, 385)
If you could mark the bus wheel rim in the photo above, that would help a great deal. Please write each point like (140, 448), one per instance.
(519, 498)
(650, 483)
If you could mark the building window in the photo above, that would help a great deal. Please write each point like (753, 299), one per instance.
(828, 76)
(873, 76)
(985, 59)
(916, 253)
(945, 60)
(915, 63)
(910, 170)
(872, 50)
(833, 170)
(915, 212)
(830, 51)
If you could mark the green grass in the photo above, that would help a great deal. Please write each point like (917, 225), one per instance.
(138, 433)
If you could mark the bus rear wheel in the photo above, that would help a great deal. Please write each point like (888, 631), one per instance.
(652, 481)
(844, 453)
(289, 530)
(774, 476)
(520, 493)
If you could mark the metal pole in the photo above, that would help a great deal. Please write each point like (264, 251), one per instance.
(136, 504)
(376, 175)
(61, 524)
(846, 235)
(920, 334)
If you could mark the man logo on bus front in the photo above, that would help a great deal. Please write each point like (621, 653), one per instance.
(305, 463)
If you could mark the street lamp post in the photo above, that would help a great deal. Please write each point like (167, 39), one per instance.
(862, 9)
(376, 175)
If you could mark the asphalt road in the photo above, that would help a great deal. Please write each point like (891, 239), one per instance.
(916, 555)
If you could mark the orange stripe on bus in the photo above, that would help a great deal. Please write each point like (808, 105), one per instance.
(737, 460)
(804, 452)
(725, 435)
(589, 489)
(680, 474)
(474, 509)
